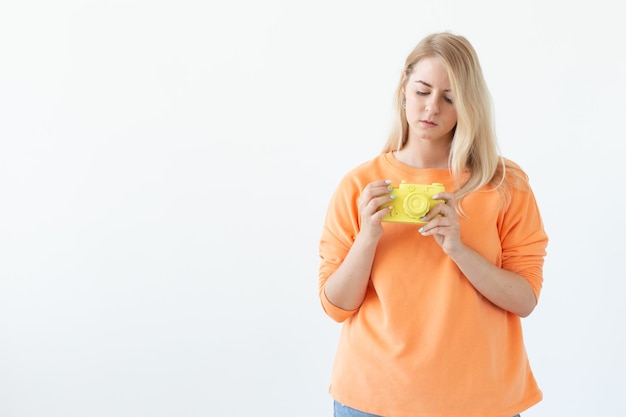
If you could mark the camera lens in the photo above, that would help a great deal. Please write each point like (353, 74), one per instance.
(416, 205)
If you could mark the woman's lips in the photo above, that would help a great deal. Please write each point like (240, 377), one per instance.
(428, 123)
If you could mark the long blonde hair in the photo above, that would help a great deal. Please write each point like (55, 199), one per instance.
(474, 147)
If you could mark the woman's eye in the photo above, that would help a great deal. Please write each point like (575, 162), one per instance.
(448, 99)
(422, 93)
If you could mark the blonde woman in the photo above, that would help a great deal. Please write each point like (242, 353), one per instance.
(431, 308)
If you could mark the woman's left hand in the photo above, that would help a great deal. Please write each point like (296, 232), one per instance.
(442, 222)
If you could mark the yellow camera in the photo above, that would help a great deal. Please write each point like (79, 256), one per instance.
(412, 202)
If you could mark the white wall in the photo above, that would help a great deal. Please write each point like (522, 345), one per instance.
(165, 167)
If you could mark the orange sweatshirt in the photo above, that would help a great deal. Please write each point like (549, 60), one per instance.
(424, 342)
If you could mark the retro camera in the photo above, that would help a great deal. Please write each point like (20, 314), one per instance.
(412, 202)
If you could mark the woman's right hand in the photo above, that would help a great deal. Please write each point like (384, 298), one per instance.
(347, 286)
(374, 195)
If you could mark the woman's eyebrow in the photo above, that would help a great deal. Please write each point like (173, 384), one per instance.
(430, 86)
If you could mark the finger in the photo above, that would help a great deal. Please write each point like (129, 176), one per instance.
(381, 183)
(375, 189)
(379, 203)
(380, 187)
(437, 226)
(449, 198)
(446, 208)
(378, 184)
(382, 212)
(439, 210)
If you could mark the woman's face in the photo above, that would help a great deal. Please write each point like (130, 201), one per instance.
(430, 109)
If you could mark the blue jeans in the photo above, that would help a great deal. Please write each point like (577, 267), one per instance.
(345, 411)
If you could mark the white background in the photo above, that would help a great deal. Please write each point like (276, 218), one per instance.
(165, 167)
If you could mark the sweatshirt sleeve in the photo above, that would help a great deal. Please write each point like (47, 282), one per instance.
(341, 226)
(523, 238)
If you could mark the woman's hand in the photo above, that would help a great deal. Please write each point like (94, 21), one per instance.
(505, 289)
(347, 286)
(443, 224)
(374, 195)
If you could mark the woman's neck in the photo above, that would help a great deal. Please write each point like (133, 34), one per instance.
(424, 155)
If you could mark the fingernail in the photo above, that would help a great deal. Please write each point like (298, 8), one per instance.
(392, 196)
(423, 219)
(387, 181)
(421, 230)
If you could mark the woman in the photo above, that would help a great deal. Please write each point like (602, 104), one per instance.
(431, 310)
